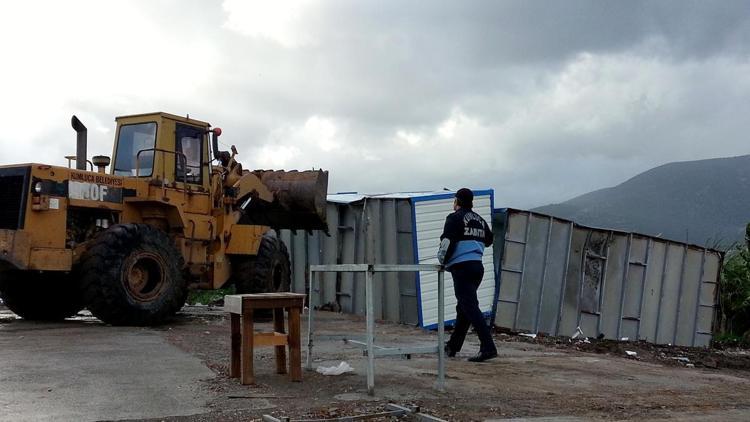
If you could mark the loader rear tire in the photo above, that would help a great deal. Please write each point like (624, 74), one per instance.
(40, 296)
(268, 271)
(132, 275)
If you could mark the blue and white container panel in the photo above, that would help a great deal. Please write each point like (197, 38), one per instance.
(429, 218)
(391, 228)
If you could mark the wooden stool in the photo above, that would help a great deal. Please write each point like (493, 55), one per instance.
(244, 339)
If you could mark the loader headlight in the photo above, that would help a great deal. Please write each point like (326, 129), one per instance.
(38, 187)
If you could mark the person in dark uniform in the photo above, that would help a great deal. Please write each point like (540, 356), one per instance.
(462, 244)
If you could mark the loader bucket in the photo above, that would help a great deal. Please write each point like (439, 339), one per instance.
(299, 200)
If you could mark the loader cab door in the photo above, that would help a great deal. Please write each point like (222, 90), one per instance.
(190, 148)
(191, 170)
(134, 153)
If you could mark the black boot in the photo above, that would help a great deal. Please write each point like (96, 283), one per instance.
(483, 356)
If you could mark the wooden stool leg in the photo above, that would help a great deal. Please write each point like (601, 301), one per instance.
(280, 351)
(295, 349)
(248, 377)
(234, 366)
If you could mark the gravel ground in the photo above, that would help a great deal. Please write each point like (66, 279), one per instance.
(540, 377)
(533, 377)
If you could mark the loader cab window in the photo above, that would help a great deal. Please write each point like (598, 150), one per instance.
(131, 140)
(189, 141)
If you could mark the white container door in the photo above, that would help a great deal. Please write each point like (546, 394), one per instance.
(429, 218)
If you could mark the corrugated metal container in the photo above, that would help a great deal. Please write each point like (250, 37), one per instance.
(400, 228)
(556, 276)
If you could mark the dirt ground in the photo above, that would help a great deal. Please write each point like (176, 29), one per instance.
(533, 377)
(546, 378)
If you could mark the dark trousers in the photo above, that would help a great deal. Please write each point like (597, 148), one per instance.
(466, 279)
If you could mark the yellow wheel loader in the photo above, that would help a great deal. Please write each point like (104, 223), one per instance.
(173, 213)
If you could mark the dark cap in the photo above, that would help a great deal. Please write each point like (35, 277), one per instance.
(465, 198)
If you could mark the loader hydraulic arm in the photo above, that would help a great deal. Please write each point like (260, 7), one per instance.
(276, 198)
(222, 156)
(249, 185)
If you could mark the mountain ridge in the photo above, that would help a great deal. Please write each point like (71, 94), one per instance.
(704, 202)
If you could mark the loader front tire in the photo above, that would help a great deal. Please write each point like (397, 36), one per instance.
(132, 275)
(40, 296)
(268, 271)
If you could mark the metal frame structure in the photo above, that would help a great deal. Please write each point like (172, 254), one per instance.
(372, 351)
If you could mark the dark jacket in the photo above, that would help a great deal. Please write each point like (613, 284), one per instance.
(468, 233)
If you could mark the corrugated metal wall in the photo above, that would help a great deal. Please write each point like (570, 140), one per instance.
(375, 231)
(385, 230)
(556, 276)
(430, 218)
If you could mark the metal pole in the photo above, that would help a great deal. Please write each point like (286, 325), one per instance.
(523, 269)
(679, 295)
(603, 285)
(441, 330)
(544, 275)
(308, 364)
(661, 291)
(698, 300)
(622, 286)
(584, 258)
(649, 248)
(564, 281)
(370, 333)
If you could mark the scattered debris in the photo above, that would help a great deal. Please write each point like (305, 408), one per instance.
(260, 396)
(625, 339)
(631, 353)
(355, 397)
(528, 335)
(341, 368)
(391, 411)
(700, 357)
(713, 364)
(578, 333)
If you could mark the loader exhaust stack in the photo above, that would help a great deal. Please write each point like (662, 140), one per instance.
(80, 143)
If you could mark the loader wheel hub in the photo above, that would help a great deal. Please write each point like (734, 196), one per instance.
(144, 276)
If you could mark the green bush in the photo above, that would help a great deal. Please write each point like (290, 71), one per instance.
(209, 297)
(724, 340)
(735, 291)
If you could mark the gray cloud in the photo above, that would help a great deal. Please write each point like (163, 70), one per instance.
(539, 100)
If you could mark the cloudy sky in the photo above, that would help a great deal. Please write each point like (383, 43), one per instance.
(541, 101)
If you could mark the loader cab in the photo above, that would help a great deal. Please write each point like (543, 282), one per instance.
(164, 147)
